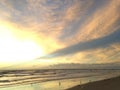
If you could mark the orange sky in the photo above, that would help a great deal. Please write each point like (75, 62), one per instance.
(32, 30)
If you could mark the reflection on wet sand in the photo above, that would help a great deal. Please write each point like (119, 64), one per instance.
(51, 79)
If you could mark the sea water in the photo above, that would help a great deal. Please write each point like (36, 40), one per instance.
(51, 79)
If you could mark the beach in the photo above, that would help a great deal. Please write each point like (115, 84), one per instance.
(107, 84)
(57, 79)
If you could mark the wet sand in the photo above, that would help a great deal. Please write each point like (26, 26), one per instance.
(108, 84)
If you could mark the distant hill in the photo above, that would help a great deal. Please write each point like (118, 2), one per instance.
(63, 66)
(85, 66)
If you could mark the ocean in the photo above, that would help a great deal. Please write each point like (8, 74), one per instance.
(52, 79)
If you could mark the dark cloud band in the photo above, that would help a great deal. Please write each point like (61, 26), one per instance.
(83, 46)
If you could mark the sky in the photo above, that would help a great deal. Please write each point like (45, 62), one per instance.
(47, 32)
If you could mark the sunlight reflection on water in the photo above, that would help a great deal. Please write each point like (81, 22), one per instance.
(61, 84)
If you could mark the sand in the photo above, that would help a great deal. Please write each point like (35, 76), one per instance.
(108, 84)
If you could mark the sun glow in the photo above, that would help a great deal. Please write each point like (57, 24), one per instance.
(13, 49)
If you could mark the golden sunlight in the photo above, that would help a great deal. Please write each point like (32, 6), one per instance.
(13, 49)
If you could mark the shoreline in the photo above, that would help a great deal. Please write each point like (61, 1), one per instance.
(107, 84)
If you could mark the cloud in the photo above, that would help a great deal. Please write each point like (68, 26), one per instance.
(103, 21)
(46, 16)
(68, 28)
(83, 46)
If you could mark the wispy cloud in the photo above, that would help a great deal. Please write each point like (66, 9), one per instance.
(67, 27)
(101, 22)
(93, 44)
